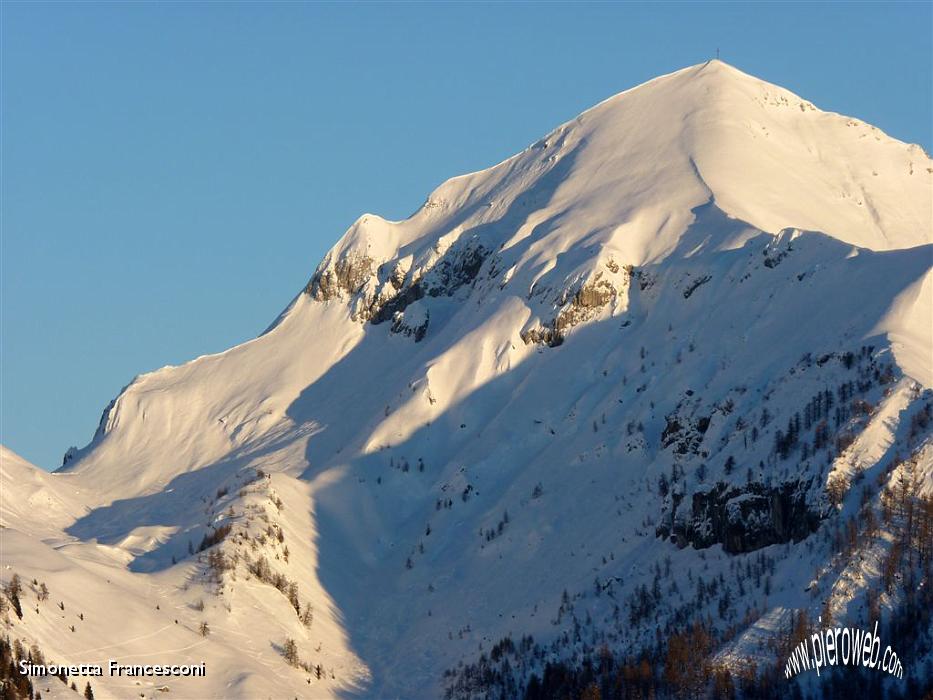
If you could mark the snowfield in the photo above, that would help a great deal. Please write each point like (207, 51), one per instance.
(684, 337)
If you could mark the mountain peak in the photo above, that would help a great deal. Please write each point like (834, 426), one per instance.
(698, 83)
(626, 177)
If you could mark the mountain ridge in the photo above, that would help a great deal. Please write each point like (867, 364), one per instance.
(688, 90)
(605, 354)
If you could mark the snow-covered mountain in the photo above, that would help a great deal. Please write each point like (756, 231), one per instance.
(684, 337)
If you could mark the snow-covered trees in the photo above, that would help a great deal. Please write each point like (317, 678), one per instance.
(12, 591)
(290, 652)
(836, 490)
(214, 536)
(307, 617)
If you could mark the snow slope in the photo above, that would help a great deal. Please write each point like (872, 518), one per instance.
(469, 412)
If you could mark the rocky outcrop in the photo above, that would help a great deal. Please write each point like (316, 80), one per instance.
(455, 269)
(779, 248)
(345, 277)
(576, 307)
(694, 284)
(412, 322)
(684, 435)
(382, 292)
(742, 518)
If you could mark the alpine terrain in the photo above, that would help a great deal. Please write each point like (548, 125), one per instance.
(629, 414)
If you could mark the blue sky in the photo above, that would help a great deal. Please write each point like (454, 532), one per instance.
(173, 173)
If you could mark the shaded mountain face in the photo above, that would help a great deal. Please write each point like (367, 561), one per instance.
(684, 337)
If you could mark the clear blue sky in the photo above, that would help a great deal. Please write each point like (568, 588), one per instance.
(173, 173)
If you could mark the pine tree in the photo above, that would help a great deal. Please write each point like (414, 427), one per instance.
(307, 617)
(290, 652)
(88, 692)
(292, 595)
(13, 589)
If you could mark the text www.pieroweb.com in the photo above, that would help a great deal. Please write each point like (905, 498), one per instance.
(842, 646)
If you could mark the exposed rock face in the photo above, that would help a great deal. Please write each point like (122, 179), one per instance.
(575, 307)
(694, 284)
(743, 519)
(380, 292)
(346, 277)
(542, 335)
(70, 454)
(412, 322)
(453, 270)
(685, 435)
